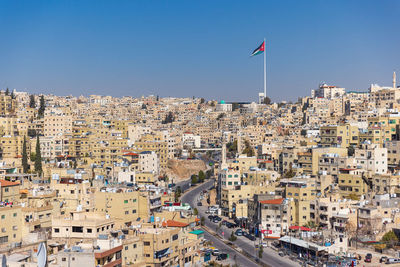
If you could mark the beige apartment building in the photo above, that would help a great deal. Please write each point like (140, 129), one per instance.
(10, 225)
(82, 225)
(123, 206)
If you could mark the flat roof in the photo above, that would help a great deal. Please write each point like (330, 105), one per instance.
(197, 232)
(301, 243)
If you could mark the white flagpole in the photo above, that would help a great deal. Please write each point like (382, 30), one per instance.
(265, 69)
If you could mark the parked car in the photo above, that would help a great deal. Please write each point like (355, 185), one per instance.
(230, 225)
(239, 232)
(222, 256)
(211, 217)
(199, 204)
(245, 234)
(392, 261)
(215, 252)
(281, 253)
(383, 259)
(368, 257)
(251, 237)
(218, 218)
(224, 222)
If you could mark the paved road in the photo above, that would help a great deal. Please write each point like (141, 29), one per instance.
(191, 198)
(270, 257)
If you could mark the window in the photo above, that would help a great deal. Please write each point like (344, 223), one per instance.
(3, 239)
(56, 230)
(146, 243)
(89, 230)
(125, 201)
(77, 229)
(3, 216)
(64, 259)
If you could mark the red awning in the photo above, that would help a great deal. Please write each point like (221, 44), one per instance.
(301, 228)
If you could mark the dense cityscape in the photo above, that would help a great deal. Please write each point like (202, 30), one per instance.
(151, 181)
(199, 133)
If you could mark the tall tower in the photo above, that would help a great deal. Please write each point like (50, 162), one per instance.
(223, 154)
(394, 79)
(239, 143)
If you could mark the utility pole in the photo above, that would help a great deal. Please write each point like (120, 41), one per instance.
(357, 230)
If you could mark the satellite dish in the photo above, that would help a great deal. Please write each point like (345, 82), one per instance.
(4, 261)
(42, 255)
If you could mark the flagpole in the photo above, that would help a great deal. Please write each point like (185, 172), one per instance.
(265, 69)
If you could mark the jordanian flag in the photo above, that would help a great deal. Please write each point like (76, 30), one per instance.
(259, 49)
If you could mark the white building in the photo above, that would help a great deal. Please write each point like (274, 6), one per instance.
(126, 176)
(148, 162)
(371, 157)
(222, 106)
(328, 91)
(191, 140)
(229, 178)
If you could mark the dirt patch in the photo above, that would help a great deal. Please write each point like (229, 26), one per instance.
(182, 169)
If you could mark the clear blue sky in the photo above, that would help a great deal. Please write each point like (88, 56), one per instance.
(196, 48)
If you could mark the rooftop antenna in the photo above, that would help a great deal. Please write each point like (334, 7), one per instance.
(42, 255)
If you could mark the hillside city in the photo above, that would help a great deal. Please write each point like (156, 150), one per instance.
(165, 181)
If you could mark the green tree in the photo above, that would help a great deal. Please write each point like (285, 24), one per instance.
(178, 193)
(249, 151)
(169, 118)
(194, 179)
(260, 251)
(202, 220)
(311, 225)
(7, 91)
(75, 164)
(390, 238)
(33, 156)
(25, 165)
(42, 107)
(220, 116)
(202, 176)
(12, 95)
(38, 159)
(232, 237)
(195, 211)
(353, 196)
(267, 100)
(32, 103)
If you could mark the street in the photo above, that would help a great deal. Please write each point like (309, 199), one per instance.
(270, 257)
